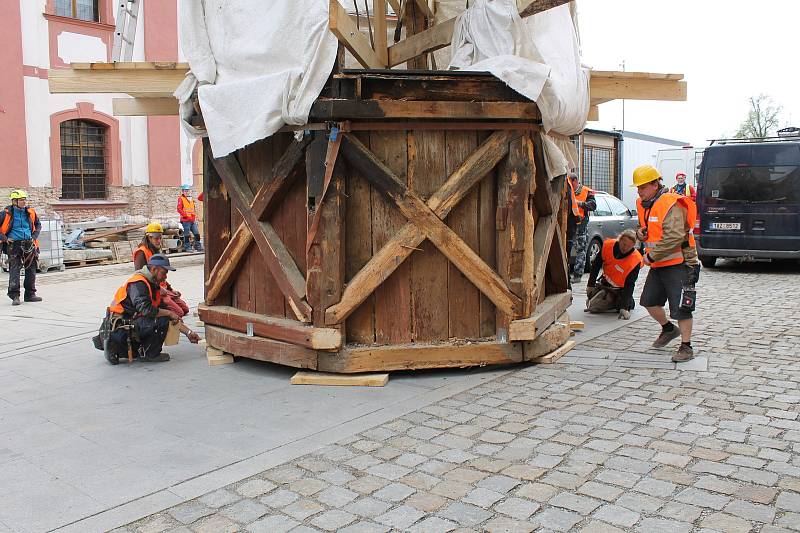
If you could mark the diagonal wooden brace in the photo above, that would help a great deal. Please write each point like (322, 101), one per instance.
(444, 238)
(284, 174)
(403, 243)
(283, 268)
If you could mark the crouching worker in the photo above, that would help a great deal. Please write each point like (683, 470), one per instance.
(620, 262)
(151, 245)
(136, 321)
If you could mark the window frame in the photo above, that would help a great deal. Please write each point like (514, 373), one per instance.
(68, 174)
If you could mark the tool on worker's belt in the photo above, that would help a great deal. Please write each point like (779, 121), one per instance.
(688, 293)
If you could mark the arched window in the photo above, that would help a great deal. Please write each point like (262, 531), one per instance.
(78, 9)
(83, 160)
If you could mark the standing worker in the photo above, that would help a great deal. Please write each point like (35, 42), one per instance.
(666, 221)
(187, 211)
(682, 188)
(620, 263)
(582, 203)
(19, 233)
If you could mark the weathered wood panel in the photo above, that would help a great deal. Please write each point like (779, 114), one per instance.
(217, 220)
(259, 348)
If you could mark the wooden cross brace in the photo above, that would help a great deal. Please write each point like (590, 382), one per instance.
(253, 208)
(425, 221)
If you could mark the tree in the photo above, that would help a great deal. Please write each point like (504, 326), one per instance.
(762, 119)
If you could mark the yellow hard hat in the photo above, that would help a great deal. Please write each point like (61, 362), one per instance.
(154, 227)
(18, 194)
(645, 174)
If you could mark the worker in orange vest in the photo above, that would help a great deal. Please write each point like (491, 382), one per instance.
(582, 202)
(666, 221)
(188, 213)
(683, 188)
(151, 245)
(19, 233)
(619, 261)
(137, 305)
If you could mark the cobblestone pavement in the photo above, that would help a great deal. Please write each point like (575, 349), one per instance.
(568, 446)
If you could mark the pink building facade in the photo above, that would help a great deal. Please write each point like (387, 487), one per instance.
(67, 150)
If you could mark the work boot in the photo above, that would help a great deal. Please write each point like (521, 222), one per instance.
(685, 353)
(667, 334)
(198, 247)
(576, 278)
(160, 358)
(15, 300)
(33, 298)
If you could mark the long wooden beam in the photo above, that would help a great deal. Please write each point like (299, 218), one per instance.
(637, 89)
(343, 27)
(527, 329)
(144, 107)
(154, 82)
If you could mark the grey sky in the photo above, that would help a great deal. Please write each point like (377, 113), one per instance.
(728, 50)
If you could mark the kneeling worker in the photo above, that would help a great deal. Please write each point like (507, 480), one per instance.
(620, 262)
(137, 306)
(666, 221)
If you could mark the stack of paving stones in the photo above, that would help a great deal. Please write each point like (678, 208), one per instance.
(567, 447)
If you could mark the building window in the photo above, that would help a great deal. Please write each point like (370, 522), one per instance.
(598, 168)
(78, 9)
(83, 160)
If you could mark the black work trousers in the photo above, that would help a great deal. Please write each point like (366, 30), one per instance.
(19, 261)
(148, 337)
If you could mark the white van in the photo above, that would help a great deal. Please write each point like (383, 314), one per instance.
(687, 159)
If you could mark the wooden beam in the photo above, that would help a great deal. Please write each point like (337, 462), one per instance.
(594, 113)
(144, 107)
(613, 88)
(426, 9)
(346, 109)
(284, 173)
(343, 27)
(531, 7)
(555, 355)
(415, 45)
(274, 253)
(419, 356)
(549, 340)
(152, 82)
(261, 349)
(276, 328)
(380, 33)
(346, 380)
(546, 313)
(403, 243)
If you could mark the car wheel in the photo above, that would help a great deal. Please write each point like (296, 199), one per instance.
(591, 254)
(708, 262)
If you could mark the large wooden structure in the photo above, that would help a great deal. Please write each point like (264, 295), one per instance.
(414, 225)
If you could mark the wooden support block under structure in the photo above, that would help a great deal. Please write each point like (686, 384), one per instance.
(213, 352)
(551, 339)
(216, 360)
(555, 355)
(577, 325)
(545, 314)
(348, 380)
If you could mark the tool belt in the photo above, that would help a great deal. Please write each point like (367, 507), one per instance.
(111, 323)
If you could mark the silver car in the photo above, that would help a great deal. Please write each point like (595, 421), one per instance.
(610, 219)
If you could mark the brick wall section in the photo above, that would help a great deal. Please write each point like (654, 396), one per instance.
(155, 203)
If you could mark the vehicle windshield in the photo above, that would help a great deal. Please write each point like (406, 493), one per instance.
(778, 185)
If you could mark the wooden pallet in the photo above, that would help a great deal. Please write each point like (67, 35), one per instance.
(88, 262)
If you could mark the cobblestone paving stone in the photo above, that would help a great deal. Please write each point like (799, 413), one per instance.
(569, 447)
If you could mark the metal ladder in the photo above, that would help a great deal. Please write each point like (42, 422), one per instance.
(127, 19)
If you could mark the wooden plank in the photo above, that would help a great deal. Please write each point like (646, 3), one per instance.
(159, 83)
(108, 233)
(427, 152)
(133, 65)
(276, 328)
(360, 325)
(487, 208)
(638, 89)
(546, 313)
(594, 113)
(345, 29)
(463, 298)
(393, 297)
(346, 380)
(577, 325)
(260, 348)
(639, 75)
(144, 107)
(415, 210)
(420, 356)
(552, 338)
(295, 234)
(414, 22)
(555, 355)
(380, 35)
(430, 40)
(342, 109)
(404, 241)
(216, 228)
(284, 174)
(531, 7)
(216, 360)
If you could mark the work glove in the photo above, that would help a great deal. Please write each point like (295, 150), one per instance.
(624, 314)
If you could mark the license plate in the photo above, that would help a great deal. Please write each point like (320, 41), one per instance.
(726, 225)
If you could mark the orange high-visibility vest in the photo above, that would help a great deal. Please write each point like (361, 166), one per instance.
(4, 229)
(616, 270)
(188, 206)
(122, 293)
(148, 253)
(573, 203)
(653, 220)
(581, 197)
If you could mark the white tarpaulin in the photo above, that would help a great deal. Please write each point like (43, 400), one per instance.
(257, 65)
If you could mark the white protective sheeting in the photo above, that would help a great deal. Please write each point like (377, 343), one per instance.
(256, 65)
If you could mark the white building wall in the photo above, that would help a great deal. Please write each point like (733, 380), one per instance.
(35, 50)
(637, 152)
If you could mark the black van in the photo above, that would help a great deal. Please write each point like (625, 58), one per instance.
(748, 199)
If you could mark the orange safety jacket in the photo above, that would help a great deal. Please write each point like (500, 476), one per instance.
(186, 209)
(148, 253)
(4, 229)
(653, 220)
(616, 270)
(122, 293)
(581, 197)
